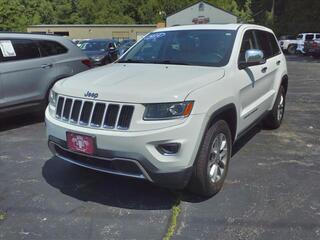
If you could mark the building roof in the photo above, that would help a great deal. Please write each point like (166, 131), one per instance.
(205, 2)
(91, 25)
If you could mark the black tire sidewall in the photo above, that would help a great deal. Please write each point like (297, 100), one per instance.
(205, 186)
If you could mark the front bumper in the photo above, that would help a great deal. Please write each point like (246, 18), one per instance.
(134, 154)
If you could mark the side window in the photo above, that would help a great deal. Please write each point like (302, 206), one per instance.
(317, 36)
(24, 49)
(51, 48)
(264, 43)
(274, 44)
(248, 43)
(309, 37)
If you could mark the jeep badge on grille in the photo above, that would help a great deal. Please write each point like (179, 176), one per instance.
(91, 95)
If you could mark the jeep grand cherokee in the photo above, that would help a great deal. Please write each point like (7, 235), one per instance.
(171, 108)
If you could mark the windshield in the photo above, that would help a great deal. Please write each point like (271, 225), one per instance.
(187, 47)
(300, 36)
(94, 46)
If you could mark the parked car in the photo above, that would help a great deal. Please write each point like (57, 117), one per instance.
(100, 51)
(313, 48)
(80, 41)
(288, 44)
(302, 37)
(30, 64)
(127, 41)
(171, 108)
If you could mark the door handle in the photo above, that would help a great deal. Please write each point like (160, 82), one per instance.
(263, 70)
(278, 62)
(47, 65)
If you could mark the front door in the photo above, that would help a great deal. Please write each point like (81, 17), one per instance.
(253, 83)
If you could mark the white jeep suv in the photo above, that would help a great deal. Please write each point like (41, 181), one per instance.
(170, 109)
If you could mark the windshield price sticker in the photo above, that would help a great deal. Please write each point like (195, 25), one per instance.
(7, 48)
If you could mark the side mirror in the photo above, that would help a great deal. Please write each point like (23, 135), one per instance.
(253, 57)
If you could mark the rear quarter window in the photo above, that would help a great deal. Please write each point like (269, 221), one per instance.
(51, 48)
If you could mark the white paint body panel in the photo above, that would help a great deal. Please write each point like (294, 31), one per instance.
(252, 92)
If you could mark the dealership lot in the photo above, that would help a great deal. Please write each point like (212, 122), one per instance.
(272, 190)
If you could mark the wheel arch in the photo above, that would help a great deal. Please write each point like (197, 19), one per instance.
(50, 86)
(227, 113)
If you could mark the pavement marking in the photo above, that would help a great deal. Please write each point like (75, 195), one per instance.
(175, 212)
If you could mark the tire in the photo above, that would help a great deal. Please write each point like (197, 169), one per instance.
(292, 49)
(275, 117)
(210, 169)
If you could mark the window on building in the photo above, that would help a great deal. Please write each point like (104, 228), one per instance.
(201, 7)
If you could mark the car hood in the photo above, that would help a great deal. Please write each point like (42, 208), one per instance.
(140, 83)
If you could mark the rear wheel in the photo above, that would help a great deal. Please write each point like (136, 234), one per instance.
(274, 119)
(211, 165)
(292, 49)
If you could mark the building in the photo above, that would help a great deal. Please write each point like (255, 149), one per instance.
(201, 13)
(85, 31)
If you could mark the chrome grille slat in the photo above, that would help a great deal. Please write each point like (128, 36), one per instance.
(64, 102)
(118, 115)
(71, 109)
(92, 109)
(94, 114)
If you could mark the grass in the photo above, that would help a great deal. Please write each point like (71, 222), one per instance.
(175, 211)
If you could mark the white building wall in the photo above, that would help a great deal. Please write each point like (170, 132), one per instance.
(197, 15)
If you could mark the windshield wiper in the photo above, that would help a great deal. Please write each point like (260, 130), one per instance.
(130, 61)
(170, 62)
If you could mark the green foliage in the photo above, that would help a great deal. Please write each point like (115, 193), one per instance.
(284, 16)
(16, 15)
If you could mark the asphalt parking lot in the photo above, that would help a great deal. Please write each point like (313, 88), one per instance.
(272, 190)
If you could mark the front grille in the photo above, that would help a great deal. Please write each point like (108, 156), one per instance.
(94, 114)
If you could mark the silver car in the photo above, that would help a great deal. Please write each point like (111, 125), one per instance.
(29, 66)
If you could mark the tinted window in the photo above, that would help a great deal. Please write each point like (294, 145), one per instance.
(274, 44)
(309, 37)
(317, 36)
(24, 49)
(185, 47)
(264, 43)
(248, 43)
(50, 48)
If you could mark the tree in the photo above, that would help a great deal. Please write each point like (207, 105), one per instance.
(12, 16)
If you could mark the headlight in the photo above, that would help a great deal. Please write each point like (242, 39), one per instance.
(53, 98)
(165, 111)
(98, 58)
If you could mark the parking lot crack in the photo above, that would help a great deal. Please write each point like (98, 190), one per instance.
(175, 212)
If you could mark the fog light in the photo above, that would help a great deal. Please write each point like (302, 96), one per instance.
(168, 148)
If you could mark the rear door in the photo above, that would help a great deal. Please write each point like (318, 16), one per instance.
(23, 73)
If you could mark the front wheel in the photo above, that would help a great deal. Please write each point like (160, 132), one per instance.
(275, 117)
(211, 165)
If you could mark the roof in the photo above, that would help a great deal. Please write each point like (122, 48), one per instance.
(205, 2)
(91, 25)
(30, 35)
(228, 26)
